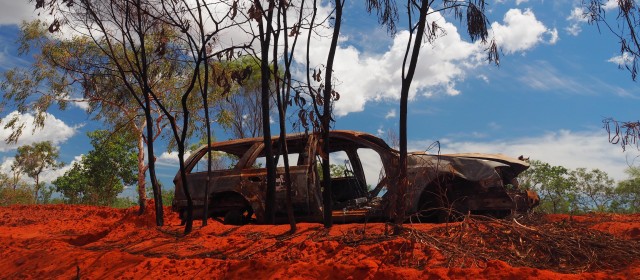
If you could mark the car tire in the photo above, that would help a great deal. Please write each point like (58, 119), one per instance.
(234, 217)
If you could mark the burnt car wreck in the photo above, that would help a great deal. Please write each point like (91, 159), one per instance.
(442, 187)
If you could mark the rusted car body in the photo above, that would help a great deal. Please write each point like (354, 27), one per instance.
(441, 186)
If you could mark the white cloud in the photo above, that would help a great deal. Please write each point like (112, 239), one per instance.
(440, 64)
(610, 5)
(5, 167)
(81, 104)
(521, 31)
(518, 2)
(169, 159)
(484, 78)
(391, 114)
(589, 149)
(574, 29)
(577, 17)
(14, 12)
(621, 60)
(54, 130)
(554, 36)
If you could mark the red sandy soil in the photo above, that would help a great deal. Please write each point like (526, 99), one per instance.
(71, 241)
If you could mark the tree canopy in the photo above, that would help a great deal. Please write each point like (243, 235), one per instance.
(103, 172)
(35, 159)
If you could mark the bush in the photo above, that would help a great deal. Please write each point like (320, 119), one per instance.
(21, 195)
(123, 202)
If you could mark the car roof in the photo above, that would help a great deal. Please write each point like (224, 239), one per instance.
(339, 138)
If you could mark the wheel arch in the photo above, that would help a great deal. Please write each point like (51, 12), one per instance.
(222, 202)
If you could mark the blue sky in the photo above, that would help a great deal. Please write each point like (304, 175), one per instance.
(556, 81)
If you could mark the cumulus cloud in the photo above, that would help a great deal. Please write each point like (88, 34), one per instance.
(440, 65)
(577, 17)
(610, 5)
(521, 31)
(54, 130)
(571, 149)
(580, 15)
(5, 167)
(169, 159)
(14, 12)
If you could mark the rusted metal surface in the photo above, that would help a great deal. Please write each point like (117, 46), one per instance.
(442, 186)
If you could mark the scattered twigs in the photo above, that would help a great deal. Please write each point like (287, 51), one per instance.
(559, 246)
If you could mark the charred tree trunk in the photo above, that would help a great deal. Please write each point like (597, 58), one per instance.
(326, 118)
(407, 78)
(282, 88)
(204, 90)
(265, 40)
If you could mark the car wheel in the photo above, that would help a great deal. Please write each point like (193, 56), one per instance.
(234, 217)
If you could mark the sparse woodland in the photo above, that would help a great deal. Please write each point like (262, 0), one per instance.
(155, 70)
(159, 73)
(165, 70)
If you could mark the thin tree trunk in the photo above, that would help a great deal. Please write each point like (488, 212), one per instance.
(151, 163)
(403, 183)
(37, 188)
(326, 118)
(142, 170)
(146, 91)
(265, 39)
(281, 89)
(204, 88)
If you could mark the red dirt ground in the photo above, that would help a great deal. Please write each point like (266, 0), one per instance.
(67, 241)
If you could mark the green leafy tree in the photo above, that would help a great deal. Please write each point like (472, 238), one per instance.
(595, 189)
(73, 184)
(554, 186)
(110, 165)
(35, 159)
(103, 172)
(628, 193)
